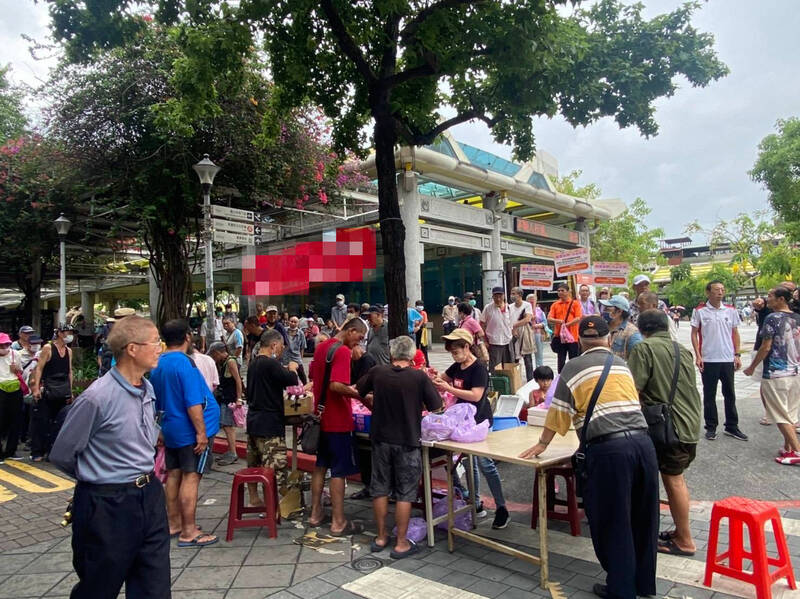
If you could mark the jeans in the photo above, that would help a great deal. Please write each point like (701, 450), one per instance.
(489, 469)
(539, 352)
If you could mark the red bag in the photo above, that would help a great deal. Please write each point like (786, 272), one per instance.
(22, 384)
(160, 466)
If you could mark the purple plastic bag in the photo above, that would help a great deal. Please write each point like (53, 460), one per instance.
(437, 427)
(417, 530)
(470, 432)
(462, 521)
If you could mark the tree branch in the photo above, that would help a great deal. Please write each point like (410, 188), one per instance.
(417, 138)
(410, 30)
(423, 70)
(389, 58)
(346, 41)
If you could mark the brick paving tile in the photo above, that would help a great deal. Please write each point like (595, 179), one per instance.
(488, 588)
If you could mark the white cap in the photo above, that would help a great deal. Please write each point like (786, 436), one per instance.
(639, 279)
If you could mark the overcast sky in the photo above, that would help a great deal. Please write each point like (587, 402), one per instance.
(696, 168)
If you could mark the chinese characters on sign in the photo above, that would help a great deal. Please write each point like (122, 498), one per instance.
(536, 276)
(572, 262)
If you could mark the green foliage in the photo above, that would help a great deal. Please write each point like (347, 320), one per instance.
(689, 291)
(627, 238)
(681, 272)
(778, 169)
(12, 119)
(568, 184)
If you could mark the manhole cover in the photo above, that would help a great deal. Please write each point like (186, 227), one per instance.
(366, 564)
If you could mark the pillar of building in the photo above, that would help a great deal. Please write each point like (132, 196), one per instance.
(414, 251)
(492, 261)
(154, 295)
(87, 306)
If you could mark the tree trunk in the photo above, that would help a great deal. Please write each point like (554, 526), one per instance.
(393, 232)
(170, 267)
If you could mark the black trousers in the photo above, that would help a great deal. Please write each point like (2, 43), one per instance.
(621, 503)
(44, 424)
(120, 537)
(562, 350)
(714, 372)
(10, 420)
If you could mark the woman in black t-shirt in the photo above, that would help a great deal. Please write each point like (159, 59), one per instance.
(468, 380)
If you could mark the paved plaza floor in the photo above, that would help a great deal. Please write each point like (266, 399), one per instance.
(35, 553)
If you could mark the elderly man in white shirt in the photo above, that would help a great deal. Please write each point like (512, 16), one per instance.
(496, 321)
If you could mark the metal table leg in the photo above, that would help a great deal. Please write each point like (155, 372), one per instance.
(541, 489)
(428, 492)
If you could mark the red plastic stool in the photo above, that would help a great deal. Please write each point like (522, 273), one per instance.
(265, 477)
(740, 511)
(573, 513)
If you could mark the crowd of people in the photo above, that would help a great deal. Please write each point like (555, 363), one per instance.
(616, 359)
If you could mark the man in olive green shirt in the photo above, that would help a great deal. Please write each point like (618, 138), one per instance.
(652, 363)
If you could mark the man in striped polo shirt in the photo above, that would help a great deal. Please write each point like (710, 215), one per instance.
(621, 493)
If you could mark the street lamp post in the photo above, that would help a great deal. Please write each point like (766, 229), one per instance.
(62, 228)
(206, 171)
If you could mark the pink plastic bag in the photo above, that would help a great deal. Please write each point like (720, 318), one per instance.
(470, 432)
(239, 414)
(160, 466)
(417, 530)
(296, 390)
(461, 418)
(436, 427)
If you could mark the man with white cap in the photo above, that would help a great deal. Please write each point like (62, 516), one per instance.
(450, 315)
(641, 284)
(24, 334)
(339, 312)
(274, 323)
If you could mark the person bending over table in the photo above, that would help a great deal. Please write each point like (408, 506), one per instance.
(468, 380)
(399, 394)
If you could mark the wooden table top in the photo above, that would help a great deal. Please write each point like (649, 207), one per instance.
(506, 445)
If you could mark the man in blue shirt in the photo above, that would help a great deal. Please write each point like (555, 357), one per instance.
(190, 417)
(414, 321)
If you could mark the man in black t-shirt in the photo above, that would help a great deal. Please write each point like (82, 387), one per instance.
(266, 433)
(399, 395)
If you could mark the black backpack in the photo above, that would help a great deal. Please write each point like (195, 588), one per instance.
(105, 359)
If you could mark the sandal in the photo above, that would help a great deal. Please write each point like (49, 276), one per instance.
(351, 528)
(325, 519)
(671, 548)
(375, 548)
(765, 421)
(413, 550)
(195, 542)
(666, 535)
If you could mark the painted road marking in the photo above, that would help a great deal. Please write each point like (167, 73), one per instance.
(56, 483)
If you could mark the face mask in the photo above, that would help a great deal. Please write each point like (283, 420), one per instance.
(4, 351)
(472, 302)
(606, 316)
(450, 302)
(340, 303)
(420, 307)
(68, 339)
(35, 348)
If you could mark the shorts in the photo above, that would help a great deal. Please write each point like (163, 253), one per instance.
(335, 451)
(185, 459)
(225, 415)
(267, 452)
(672, 461)
(781, 398)
(395, 469)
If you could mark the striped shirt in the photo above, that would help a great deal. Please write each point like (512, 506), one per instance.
(617, 409)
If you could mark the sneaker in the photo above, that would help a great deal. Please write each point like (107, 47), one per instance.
(227, 459)
(2, 460)
(736, 434)
(500, 518)
(479, 511)
(782, 453)
(15, 457)
(793, 459)
(711, 435)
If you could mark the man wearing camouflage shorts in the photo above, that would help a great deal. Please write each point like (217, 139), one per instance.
(266, 380)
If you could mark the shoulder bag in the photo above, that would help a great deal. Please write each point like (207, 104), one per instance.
(659, 416)
(312, 425)
(579, 457)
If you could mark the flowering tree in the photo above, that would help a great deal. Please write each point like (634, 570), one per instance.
(35, 187)
(125, 117)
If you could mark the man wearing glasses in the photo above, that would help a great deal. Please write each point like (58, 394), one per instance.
(107, 443)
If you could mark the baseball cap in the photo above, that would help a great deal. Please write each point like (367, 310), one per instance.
(459, 335)
(617, 301)
(639, 279)
(123, 312)
(593, 326)
(339, 296)
(35, 338)
(375, 309)
(64, 327)
(498, 290)
(26, 329)
(272, 308)
(5, 339)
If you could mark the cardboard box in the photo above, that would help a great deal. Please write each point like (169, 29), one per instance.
(514, 373)
(298, 406)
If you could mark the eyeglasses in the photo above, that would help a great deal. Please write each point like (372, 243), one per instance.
(150, 343)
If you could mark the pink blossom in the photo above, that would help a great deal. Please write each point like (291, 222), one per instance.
(323, 197)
